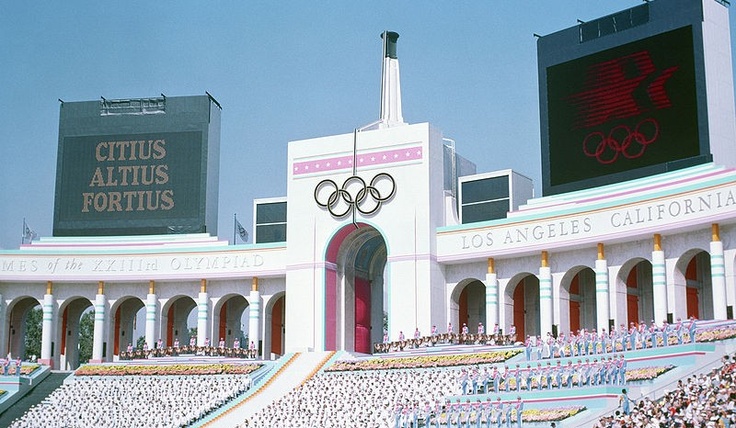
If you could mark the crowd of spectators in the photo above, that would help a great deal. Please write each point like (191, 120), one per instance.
(704, 400)
(417, 397)
(465, 336)
(358, 399)
(133, 401)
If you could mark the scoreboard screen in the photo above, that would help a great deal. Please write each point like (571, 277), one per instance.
(623, 109)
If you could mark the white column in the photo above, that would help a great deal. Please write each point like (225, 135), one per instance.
(254, 317)
(602, 294)
(545, 296)
(718, 276)
(202, 319)
(47, 329)
(99, 332)
(659, 282)
(491, 301)
(3, 328)
(151, 310)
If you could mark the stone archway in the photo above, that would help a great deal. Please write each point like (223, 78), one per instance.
(228, 315)
(73, 333)
(17, 316)
(637, 276)
(693, 273)
(356, 258)
(126, 314)
(468, 305)
(522, 305)
(578, 302)
(178, 317)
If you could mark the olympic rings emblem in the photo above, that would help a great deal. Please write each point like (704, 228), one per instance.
(354, 194)
(621, 140)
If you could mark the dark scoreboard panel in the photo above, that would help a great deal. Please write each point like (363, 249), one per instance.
(121, 171)
(623, 109)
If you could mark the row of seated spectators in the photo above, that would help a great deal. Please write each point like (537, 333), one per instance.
(133, 401)
(357, 399)
(445, 339)
(705, 400)
(210, 351)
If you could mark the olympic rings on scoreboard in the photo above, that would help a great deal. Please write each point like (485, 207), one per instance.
(621, 140)
(354, 194)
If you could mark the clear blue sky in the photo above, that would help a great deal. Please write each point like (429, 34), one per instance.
(282, 71)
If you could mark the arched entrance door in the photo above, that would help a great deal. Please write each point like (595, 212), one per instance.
(522, 296)
(126, 312)
(471, 304)
(179, 316)
(354, 289)
(278, 323)
(639, 293)
(24, 328)
(228, 318)
(582, 301)
(77, 329)
(698, 285)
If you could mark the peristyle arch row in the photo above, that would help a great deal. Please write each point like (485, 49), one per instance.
(577, 300)
(175, 316)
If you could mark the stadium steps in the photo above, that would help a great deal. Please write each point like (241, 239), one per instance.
(295, 370)
(33, 397)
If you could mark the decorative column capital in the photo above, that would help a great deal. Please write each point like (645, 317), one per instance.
(715, 232)
(657, 242)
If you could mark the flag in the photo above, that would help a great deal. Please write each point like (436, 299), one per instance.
(28, 233)
(241, 231)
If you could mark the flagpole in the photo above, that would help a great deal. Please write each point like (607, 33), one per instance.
(235, 227)
(23, 233)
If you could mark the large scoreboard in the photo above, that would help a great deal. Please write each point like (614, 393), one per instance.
(630, 95)
(137, 167)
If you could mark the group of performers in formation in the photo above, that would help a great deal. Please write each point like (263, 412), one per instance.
(159, 350)
(609, 370)
(468, 414)
(7, 362)
(591, 342)
(464, 337)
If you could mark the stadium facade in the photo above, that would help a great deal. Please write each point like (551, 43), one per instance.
(388, 226)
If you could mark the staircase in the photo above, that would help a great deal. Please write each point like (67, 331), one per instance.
(299, 368)
(33, 397)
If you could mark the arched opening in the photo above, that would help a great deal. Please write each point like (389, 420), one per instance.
(639, 291)
(128, 313)
(471, 305)
(228, 317)
(354, 289)
(278, 325)
(522, 297)
(179, 317)
(694, 268)
(77, 331)
(578, 289)
(24, 321)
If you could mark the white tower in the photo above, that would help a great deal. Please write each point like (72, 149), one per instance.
(390, 84)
